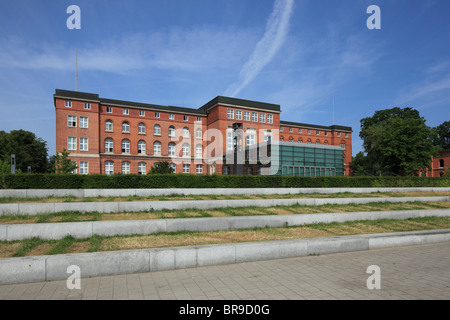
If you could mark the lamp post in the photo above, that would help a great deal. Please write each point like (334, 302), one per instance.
(13, 164)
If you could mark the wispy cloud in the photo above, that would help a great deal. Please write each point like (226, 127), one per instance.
(274, 37)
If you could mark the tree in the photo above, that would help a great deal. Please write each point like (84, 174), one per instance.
(29, 150)
(442, 135)
(161, 168)
(397, 141)
(62, 162)
(361, 166)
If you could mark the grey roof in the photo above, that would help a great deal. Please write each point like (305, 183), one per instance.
(314, 126)
(241, 102)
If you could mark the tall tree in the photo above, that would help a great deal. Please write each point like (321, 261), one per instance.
(29, 150)
(397, 141)
(442, 138)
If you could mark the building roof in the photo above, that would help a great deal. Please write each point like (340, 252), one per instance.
(314, 126)
(220, 100)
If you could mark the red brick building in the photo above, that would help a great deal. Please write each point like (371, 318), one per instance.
(439, 164)
(105, 136)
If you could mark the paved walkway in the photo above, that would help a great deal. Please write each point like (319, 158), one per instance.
(414, 272)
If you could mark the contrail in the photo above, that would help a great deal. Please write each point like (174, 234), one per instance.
(276, 31)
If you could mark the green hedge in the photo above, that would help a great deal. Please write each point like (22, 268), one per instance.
(54, 181)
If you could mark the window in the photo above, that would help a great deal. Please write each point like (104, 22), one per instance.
(157, 115)
(346, 135)
(309, 141)
(108, 109)
(291, 129)
(198, 133)
(125, 146)
(173, 166)
(291, 139)
(74, 171)
(230, 139)
(186, 168)
(255, 116)
(343, 145)
(317, 132)
(309, 131)
(171, 117)
(71, 143)
(84, 167)
(87, 106)
(109, 168)
(267, 135)
(84, 144)
(317, 141)
(326, 142)
(230, 114)
(250, 137)
(185, 132)
(281, 129)
(141, 128)
(199, 169)
(262, 117)
(84, 122)
(186, 118)
(198, 151)
(142, 168)
(126, 112)
(157, 148)
(247, 115)
(225, 170)
(441, 163)
(68, 104)
(71, 121)
(326, 133)
(185, 150)
(171, 131)
(338, 134)
(125, 167)
(141, 113)
(299, 130)
(171, 149)
(238, 115)
(269, 118)
(157, 130)
(109, 145)
(141, 147)
(199, 119)
(125, 127)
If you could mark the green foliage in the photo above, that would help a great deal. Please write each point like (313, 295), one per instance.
(397, 141)
(161, 168)
(62, 163)
(442, 135)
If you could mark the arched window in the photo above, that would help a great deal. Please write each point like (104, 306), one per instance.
(326, 142)
(157, 148)
(108, 125)
(109, 167)
(171, 131)
(141, 128)
(185, 150)
(309, 141)
(141, 147)
(291, 139)
(125, 127)
(171, 149)
(125, 146)
(109, 145)
(317, 141)
(185, 132)
(157, 130)
(300, 140)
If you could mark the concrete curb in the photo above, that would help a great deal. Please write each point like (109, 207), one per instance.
(140, 206)
(83, 193)
(80, 230)
(50, 268)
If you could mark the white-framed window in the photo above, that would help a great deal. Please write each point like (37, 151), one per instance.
(185, 150)
(109, 145)
(199, 119)
(230, 139)
(230, 114)
(68, 104)
(87, 106)
(299, 130)
(141, 113)
(142, 168)
(171, 131)
(185, 132)
(186, 118)
(125, 127)
(251, 137)
(281, 129)
(291, 129)
(171, 116)
(74, 171)
(109, 168)
(126, 112)
(71, 121)
(142, 147)
(346, 135)
(198, 151)
(84, 167)
(84, 144)
(141, 128)
(186, 168)
(309, 131)
(108, 109)
(255, 116)
(343, 145)
(84, 122)
(71, 143)
(246, 115)
(198, 133)
(157, 115)
(238, 114)
(199, 169)
(173, 166)
(125, 167)
(157, 130)
(125, 146)
(269, 118)
(317, 132)
(326, 133)
(171, 149)
(338, 134)
(157, 148)
(262, 117)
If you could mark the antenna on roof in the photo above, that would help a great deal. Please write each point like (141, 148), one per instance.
(76, 69)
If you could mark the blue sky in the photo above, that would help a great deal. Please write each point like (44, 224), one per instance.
(300, 54)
